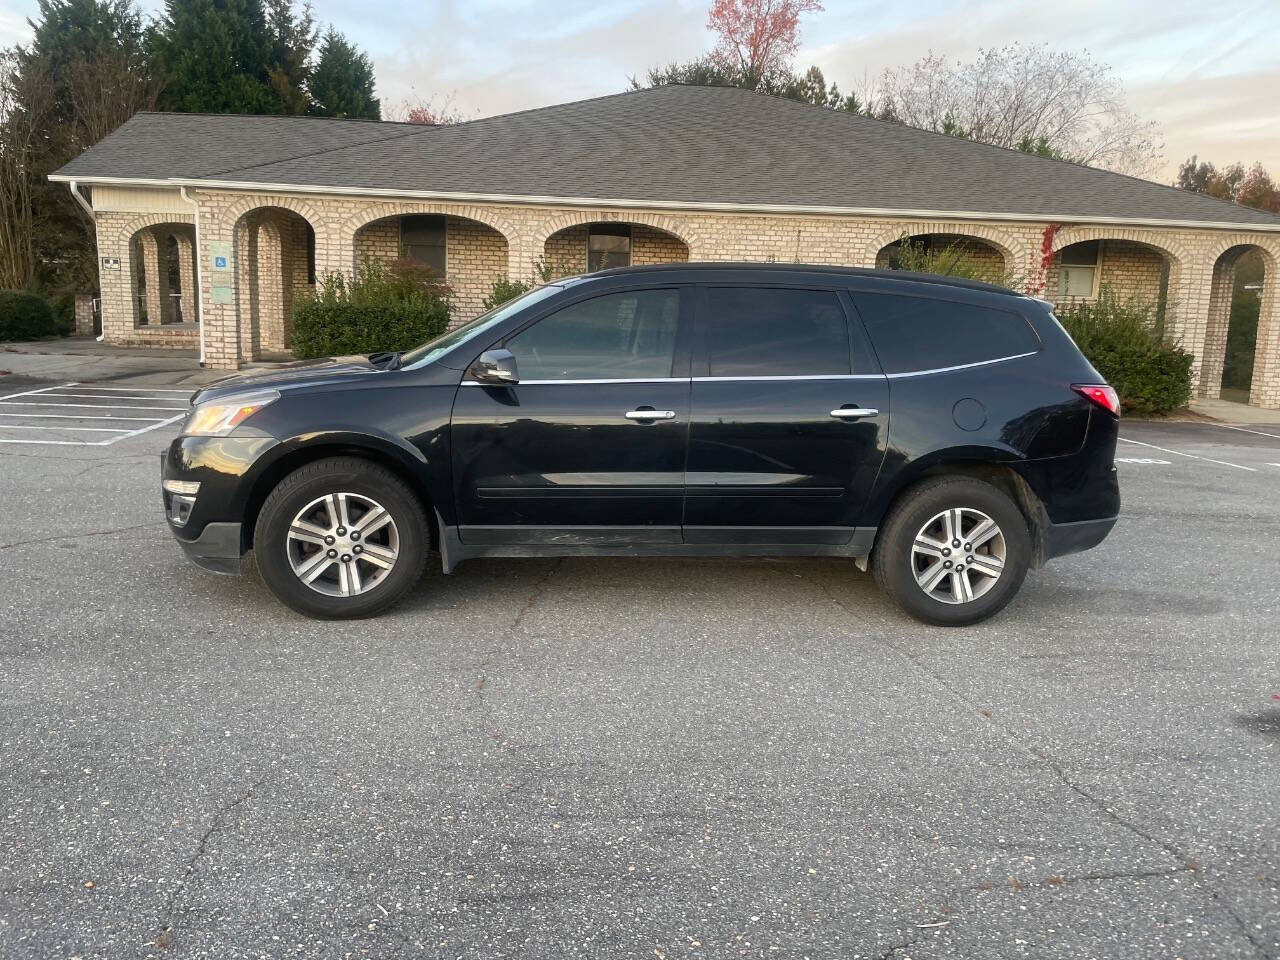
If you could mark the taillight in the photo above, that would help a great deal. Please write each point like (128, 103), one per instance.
(1100, 393)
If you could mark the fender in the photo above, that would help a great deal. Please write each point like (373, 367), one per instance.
(427, 472)
(898, 471)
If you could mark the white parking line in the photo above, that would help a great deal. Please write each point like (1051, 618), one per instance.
(78, 416)
(91, 386)
(56, 397)
(27, 426)
(27, 393)
(1192, 456)
(89, 406)
(1260, 433)
(108, 396)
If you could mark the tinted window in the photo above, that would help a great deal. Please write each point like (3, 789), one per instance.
(756, 332)
(920, 333)
(624, 336)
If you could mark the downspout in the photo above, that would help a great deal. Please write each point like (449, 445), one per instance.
(199, 273)
(85, 205)
(75, 192)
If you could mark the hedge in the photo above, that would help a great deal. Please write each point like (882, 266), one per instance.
(25, 316)
(1123, 339)
(382, 308)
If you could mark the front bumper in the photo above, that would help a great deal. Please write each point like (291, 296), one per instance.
(207, 518)
(217, 548)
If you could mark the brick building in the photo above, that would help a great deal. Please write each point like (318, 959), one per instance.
(250, 210)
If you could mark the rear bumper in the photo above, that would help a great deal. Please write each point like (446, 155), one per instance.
(1063, 538)
(217, 548)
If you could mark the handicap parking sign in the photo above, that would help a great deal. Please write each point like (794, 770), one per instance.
(220, 262)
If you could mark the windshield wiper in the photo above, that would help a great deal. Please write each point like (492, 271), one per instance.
(386, 359)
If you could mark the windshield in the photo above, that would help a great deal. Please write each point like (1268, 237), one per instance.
(424, 354)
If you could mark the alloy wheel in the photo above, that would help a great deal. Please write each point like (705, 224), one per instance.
(342, 544)
(958, 556)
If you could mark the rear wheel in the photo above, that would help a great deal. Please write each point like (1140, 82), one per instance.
(953, 551)
(341, 538)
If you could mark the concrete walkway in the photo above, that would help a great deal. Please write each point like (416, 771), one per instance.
(1238, 413)
(85, 360)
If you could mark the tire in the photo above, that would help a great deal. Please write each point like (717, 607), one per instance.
(347, 580)
(905, 568)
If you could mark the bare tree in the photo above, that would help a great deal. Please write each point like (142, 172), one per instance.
(24, 104)
(1054, 103)
(107, 90)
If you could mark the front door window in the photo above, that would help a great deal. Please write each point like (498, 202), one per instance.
(628, 336)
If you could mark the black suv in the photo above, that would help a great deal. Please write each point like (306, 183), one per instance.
(946, 433)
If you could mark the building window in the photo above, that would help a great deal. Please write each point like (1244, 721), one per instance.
(1079, 269)
(608, 245)
(422, 238)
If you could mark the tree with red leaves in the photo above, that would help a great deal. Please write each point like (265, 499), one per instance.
(758, 38)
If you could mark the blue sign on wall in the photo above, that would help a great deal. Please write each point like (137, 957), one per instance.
(220, 262)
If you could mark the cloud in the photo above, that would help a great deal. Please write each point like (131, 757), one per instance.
(13, 25)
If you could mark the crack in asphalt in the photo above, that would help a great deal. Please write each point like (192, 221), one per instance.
(165, 937)
(81, 536)
(500, 650)
(899, 948)
(1188, 865)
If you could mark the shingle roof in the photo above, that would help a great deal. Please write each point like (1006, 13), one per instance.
(669, 145)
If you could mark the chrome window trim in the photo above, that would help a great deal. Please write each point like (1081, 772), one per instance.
(819, 376)
(477, 383)
(961, 366)
(812, 376)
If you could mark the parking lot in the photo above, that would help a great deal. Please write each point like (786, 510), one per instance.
(633, 758)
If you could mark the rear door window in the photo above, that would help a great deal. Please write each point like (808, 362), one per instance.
(923, 333)
(773, 332)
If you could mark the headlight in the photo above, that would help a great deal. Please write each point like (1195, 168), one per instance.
(219, 419)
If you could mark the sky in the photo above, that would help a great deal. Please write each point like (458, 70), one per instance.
(1208, 74)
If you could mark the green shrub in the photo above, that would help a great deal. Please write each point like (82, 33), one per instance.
(25, 316)
(64, 314)
(954, 260)
(505, 289)
(1124, 341)
(383, 308)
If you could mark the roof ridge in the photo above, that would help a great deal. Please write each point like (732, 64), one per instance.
(281, 116)
(557, 106)
(864, 117)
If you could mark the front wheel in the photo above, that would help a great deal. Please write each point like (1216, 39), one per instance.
(341, 538)
(954, 551)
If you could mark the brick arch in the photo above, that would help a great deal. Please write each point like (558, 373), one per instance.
(130, 228)
(1270, 248)
(380, 211)
(678, 228)
(1170, 248)
(128, 232)
(1265, 378)
(1010, 247)
(238, 210)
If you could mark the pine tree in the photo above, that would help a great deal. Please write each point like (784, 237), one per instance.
(342, 81)
(215, 57)
(293, 39)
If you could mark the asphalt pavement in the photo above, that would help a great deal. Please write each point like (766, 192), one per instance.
(640, 758)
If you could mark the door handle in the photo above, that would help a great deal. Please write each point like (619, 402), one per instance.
(854, 413)
(650, 414)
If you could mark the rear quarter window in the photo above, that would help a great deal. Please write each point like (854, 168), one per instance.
(924, 333)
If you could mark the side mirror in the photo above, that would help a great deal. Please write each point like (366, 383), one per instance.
(496, 366)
